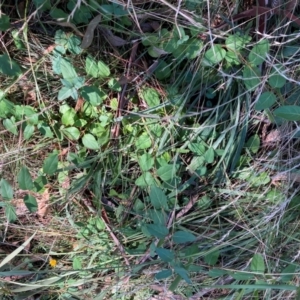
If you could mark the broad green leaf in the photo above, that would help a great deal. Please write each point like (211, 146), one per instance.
(65, 93)
(181, 237)
(4, 22)
(288, 112)
(215, 273)
(42, 5)
(28, 131)
(212, 257)
(71, 133)
(253, 143)
(114, 85)
(8, 66)
(45, 130)
(24, 179)
(150, 96)
(163, 274)
(57, 13)
(158, 231)
(167, 172)
(158, 198)
(73, 44)
(266, 100)
(146, 179)
(146, 162)
(276, 80)
(197, 148)
(288, 273)
(162, 70)
(236, 42)
(10, 125)
(259, 52)
(183, 273)
(143, 141)
(93, 95)
(257, 263)
(40, 182)
(165, 255)
(209, 156)
(7, 192)
(77, 263)
(197, 163)
(31, 203)
(103, 69)
(50, 164)
(67, 69)
(90, 142)
(157, 216)
(251, 77)
(242, 276)
(91, 67)
(214, 55)
(68, 117)
(260, 179)
(10, 213)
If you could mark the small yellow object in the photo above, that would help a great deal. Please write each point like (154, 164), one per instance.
(52, 262)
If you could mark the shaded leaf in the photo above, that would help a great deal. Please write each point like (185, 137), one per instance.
(181, 237)
(158, 198)
(288, 112)
(165, 255)
(50, 164)
(266, 100)
(163, 274)
(7, 192)
(158, 231)
(31, 203)
(257, 263)
(24, 179)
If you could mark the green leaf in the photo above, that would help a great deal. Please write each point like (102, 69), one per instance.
(143, 141)
(10, 125)
(28, 131)
(163, 274)
(103, 69)
(181, 237)
(24, 179)
(183, 273)
(68, 117)
(167, 172)
(162, 70)
(156, 230)
(288, 112)
(210, 155)
(77, 263)
(158, 198)
(214, 55)
(251, 77)
(242, 276)
(257, 263)
(42, 5)
(10, 213)
(288, 273)
(236, 42)
(93, 95)
(150, 96)
(50, 164)
(8, 66)
(212, 257)
(67, 69)
(276, 80)
(259, 52)
(71, 133)
(197, 148)
(91, 67)
(65, 93)
(146, 179)
(146, 162)
(266, 100)
(31, 203)
(253, 143)
(90, 142)
(114, 85)
(17, 40)
(57, 13)
(165, 255)
(4, 22)
(7, 192)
